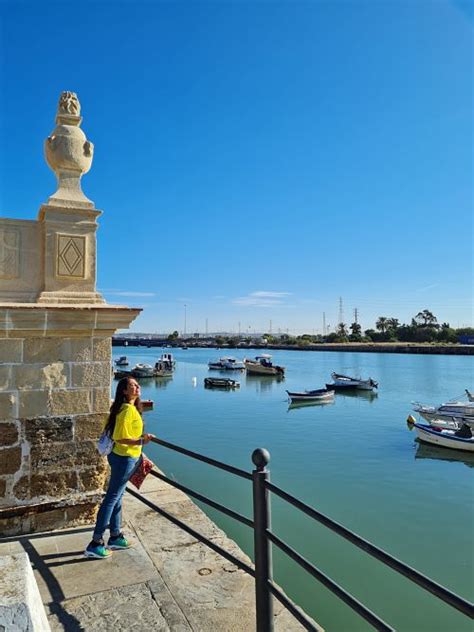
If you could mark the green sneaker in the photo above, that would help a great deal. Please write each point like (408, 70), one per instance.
(118, 542)
(97, 550)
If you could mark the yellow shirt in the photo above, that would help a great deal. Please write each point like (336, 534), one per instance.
(128, 425)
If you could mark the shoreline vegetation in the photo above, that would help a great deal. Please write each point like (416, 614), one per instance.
(423, 335)
(366, 347)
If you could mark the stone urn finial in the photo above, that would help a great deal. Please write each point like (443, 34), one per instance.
(69, 153)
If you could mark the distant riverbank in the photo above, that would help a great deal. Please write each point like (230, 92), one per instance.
(365, 347)
(384, 347)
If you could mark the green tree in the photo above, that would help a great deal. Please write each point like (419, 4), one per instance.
(174, 335)
(393, 324)
(426, 318)
(382, 324)
(356, 332)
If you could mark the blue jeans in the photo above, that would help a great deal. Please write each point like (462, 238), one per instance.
(110, 511)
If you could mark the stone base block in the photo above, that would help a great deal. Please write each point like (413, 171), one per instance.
(21, 608)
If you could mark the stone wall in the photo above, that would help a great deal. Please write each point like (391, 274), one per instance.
(55, 348)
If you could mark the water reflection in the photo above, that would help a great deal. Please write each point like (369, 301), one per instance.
(367, 395)
(262, 382)
(426, 451)
(162, 382)
(306, 404)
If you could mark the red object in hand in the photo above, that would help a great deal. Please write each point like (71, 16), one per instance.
(141, 472)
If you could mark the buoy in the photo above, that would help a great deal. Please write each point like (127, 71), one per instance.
(194, 381)
(411, 419)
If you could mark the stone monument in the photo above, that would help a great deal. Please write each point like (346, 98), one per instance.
(55, 347)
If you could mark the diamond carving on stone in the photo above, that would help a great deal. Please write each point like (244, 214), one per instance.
(71, 256)
(9, 253)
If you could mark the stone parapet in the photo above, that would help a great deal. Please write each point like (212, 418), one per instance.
(21, 607)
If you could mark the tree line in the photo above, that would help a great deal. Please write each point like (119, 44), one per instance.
(424, 327)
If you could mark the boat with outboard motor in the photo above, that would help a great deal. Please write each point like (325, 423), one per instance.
(343, 382)
(317, 395)
(461, 439)
(227, 364)
(220, 382)
(122, 361)
(263, 365)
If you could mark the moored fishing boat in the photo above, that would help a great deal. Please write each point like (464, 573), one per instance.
(227, 364)
(168, 360)
(453, 410)
(444, 438)
(122, 361)
(162, 369)
(342, 382)
(220, 382)
(320, 394)
(263, 365)
(142, 370)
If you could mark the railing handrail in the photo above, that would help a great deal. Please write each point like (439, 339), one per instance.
(204, 459)
(264, 582)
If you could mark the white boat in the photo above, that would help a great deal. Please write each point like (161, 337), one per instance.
(263, 365)
(122, 361)
(444, 438)
(227, 364)
(168, 361)
(162, 369)
(454, 410)
(341, 382)
(143, 370)
(317, 395)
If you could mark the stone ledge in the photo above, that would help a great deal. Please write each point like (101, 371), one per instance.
(20, 320)
(21, 608)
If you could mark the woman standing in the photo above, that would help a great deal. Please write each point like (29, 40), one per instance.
(125, 426)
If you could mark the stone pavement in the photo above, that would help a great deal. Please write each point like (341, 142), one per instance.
(167, 581)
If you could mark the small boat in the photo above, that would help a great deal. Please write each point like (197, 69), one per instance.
(122, 361)
(119, 374)
(263, 365)
(342, 382)
(168, 361)
(447, 412)
(220, 382)
(147, 404)
(143, 370)
(445, 438)
(320, 394)
(227, 364)
(162, 369)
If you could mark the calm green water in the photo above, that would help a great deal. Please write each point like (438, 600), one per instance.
(354, 460)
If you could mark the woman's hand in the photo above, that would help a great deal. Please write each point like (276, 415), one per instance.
(147, 437)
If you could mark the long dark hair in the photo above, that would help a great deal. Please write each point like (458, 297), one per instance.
(119, 400)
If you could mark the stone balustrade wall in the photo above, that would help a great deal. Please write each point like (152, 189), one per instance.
(54, 400)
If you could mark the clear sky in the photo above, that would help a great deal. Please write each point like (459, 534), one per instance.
(255, 161)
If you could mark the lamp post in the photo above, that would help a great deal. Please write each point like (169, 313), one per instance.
(184, 332)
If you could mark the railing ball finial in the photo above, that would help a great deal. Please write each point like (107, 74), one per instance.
(261, 458)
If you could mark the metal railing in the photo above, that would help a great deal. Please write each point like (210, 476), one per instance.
(265, 588)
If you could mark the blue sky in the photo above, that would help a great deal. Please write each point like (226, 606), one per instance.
(255, 161)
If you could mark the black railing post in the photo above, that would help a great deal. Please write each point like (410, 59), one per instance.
(262, 544)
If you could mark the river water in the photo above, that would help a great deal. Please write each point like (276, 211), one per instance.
(354, 460)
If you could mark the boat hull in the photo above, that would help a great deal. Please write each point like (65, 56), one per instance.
(443, 439)
(316, 396)
(255, 368)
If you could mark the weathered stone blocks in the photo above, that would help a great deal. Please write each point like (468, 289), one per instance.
(32, 403)
(8, 434)
(94, 374)
(11, 350)
(10, 460)
(43, 485)
(5, 377)
(48, 430)
(64, 402)
(103, 350)
(89, 426)
(40, 376)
